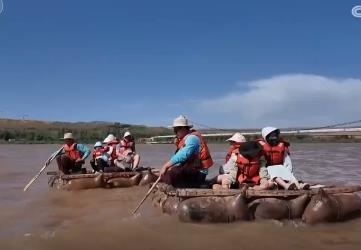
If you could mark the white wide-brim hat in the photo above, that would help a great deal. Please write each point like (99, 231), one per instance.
(237, 137)
(127, 133)
(68, 136)
(181, 121)
(110, 138)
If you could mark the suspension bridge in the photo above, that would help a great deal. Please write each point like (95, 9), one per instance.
(345, 130)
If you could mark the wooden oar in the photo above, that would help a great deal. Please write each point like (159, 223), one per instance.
(146, 196)
(42, 169)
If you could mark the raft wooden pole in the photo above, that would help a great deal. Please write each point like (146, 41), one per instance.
(146, 196)
(52, 157)
(105, 175)
(259, 193)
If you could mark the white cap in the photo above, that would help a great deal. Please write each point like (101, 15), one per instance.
(68, 136)
(267, 130)
(127, 133)
(97, 144)
(237, 137)
(109, 138)
(181, 121)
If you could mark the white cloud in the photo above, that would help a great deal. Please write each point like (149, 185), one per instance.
(285, 101)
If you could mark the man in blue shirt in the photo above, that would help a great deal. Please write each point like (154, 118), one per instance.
(73, 155)
(184, 168)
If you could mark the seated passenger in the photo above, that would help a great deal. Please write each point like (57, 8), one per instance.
(235, 142)
(127, 159)
(100, 157)
(247, 165)
(276, 152)
(188, 167)
(111, 142)
(73, 155)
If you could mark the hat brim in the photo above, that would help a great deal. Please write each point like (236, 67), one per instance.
(188, 126)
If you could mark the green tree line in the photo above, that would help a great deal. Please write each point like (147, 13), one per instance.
(44, 132)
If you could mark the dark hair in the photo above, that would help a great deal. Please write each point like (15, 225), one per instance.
(250, 149)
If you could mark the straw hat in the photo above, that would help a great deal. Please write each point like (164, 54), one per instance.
(237, 137)
(68, 136)
(181, 121)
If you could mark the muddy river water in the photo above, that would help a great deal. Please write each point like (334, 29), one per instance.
(98, 219)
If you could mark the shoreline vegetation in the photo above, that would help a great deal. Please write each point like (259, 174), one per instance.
(43, 132)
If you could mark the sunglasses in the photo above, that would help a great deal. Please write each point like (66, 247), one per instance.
(176, 129)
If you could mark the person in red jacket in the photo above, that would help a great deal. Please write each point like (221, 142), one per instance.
(235, 143)
(127, 159)
(279, 164)
(246, 165)
(100, 157)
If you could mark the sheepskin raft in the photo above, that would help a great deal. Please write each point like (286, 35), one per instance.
(249, 193)
(317, 205)
(101, 180)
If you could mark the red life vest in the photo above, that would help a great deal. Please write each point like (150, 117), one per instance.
(126, 146)
(274, 155)
(72, 152)
(99, 151)
(231, 150)
(204, 155)
(248, 170)
(113, 145)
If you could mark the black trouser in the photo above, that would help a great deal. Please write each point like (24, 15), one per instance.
(98, 164)
(66, 164)
(184, 177)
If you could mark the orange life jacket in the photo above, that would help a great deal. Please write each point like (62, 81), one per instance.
(99, 151)
(204, 155)
(113, 145)
(248, 170)
(274, 155)
(72, 152)
(231, 150)
(126, 146)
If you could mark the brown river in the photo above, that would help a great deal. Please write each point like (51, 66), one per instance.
(42, 218)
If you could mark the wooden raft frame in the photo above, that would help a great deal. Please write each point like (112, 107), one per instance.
(249, 193)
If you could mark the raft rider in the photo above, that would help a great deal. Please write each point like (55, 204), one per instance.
(279, 164)
(235, 143)
(127, 159)
(246, 165)
(73, 155)
(100, 157)
(189, 165)
(111, 141)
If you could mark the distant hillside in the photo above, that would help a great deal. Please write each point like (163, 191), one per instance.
(32, 131)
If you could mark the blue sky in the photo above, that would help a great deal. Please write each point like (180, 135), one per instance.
(146, 62)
